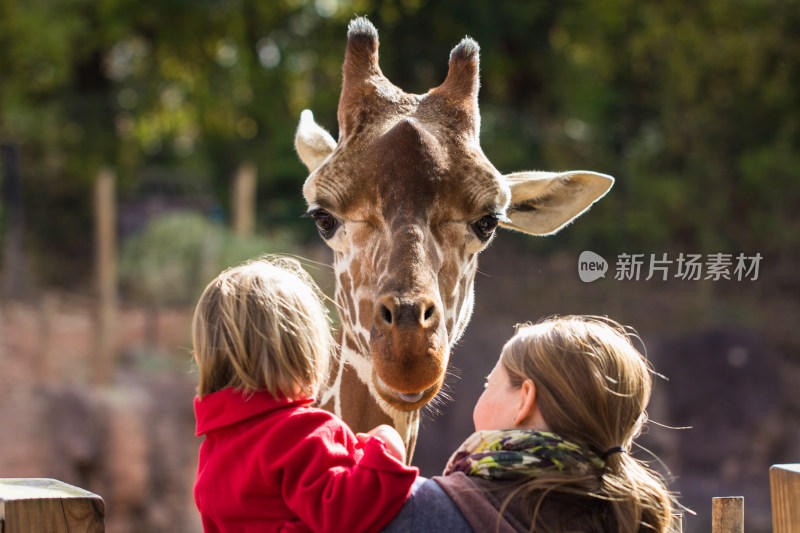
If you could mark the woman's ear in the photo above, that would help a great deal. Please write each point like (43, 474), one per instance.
(528, 406)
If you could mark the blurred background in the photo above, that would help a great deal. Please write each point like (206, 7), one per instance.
(147, 145)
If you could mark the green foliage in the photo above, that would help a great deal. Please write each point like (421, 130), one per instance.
(696, 87)
(692, 106)
(172, 260)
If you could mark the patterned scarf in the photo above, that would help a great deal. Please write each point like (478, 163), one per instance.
(518, 454)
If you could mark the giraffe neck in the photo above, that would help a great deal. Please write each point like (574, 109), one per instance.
(350, 395)
(350, 392)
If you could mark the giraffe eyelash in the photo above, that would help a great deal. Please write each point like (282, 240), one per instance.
(327, 224)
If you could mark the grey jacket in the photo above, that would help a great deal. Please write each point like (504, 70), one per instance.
(480, 501)
(461, 504)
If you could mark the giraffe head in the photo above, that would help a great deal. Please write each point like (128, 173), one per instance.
(407, 199)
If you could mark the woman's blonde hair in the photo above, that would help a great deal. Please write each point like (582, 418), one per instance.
(262, 325)
(592, 388)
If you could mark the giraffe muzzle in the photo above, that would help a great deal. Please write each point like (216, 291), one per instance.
(409, 349)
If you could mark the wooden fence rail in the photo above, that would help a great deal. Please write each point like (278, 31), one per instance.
(32, 505)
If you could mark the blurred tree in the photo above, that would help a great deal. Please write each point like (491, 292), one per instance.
(171, 261)
(692, 106)
(695, 103)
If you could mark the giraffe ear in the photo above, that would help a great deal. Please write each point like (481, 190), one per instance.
(544, 202)
(312, 142)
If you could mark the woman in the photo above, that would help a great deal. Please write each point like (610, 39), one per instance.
(550, 452)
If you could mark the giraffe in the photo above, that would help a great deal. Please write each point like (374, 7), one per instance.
(406, 199)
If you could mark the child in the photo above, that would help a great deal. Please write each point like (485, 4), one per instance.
(270, 461)
(551, 451)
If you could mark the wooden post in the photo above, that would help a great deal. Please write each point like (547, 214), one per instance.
(784, 485)
(48, 306)
(106, 264)
(677, 522)
(31, 505)
(243, 199)
(727, 515)
(14, 258)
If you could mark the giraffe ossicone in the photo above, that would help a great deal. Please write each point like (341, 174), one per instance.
(407, 200)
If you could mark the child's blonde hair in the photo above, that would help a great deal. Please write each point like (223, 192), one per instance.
(262, 325)
(592, 388)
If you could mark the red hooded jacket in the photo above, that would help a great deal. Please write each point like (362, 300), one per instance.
(280, 465)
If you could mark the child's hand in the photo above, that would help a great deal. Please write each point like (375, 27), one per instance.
(390, 437)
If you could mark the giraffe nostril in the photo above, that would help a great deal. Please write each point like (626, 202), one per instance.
(386, 314)
(405, 313)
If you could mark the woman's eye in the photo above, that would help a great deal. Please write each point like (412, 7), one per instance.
(485, 225)
(326, 223)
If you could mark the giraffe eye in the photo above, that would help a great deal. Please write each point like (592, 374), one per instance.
(485, 225)
(326, 223)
